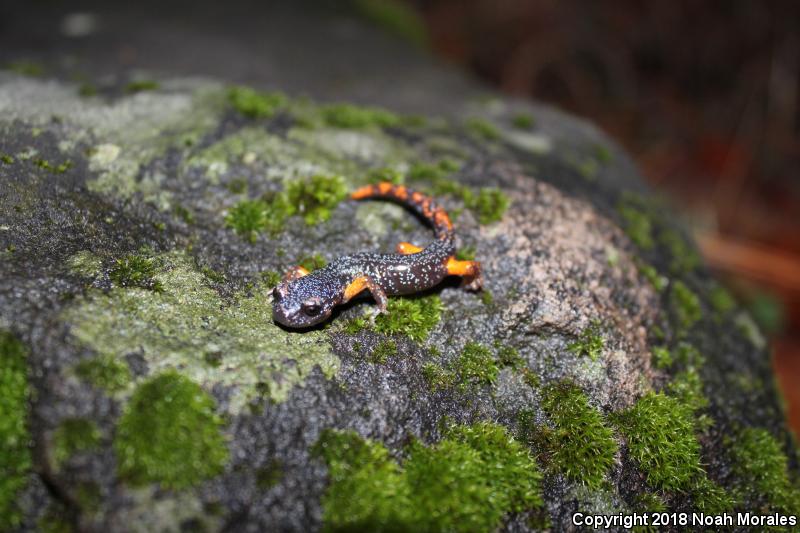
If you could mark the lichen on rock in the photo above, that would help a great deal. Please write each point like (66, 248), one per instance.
(176, 327)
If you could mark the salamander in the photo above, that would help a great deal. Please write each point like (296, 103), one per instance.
(303, 299)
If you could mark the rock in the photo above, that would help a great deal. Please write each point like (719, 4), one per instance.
(601, 370)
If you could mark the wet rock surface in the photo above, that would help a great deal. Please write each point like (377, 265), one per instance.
(601, 369)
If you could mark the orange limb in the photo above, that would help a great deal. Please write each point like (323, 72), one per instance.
(294, 273)
(469, 270)
(407, 248)
(362, 282)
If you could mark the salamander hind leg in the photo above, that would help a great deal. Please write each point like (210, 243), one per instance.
(363, 282)
(470, 271)
(296, 272)
(406, 248)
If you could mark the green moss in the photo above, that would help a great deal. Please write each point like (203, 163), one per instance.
(44, 164)
(761, 471)
(382, 351)
(708, 497)
(421, 171)
(356, 117)
(437, 377)
(105, 372)
(248, 218)
(269, 475)
(688, 356)
(660, 434)
(467, 482)
(581, 446)
(687, 387)
(466, 253)
(169, 434)
(414, 317)
(87, 89)
(509, 356)
(237, 186)
(486, 296)
(135, 270)
(489, 204)
(271, 278)
(255, 104)
(367, 490)
(638, 226)
(177, 327)
(380, 175)
(88, 495)
(475, 366)
(685, 304)
(523, 121)
(313, 198)
(74, 435)
(530, 378)
(312, 262)
(138, 86)
(662, 358)
(354, 325)
(395, 17)
(649, 272)
(721, 300)
(26, 68)
(54, 520)
(483, 129)
(15, 459)
(590, 343)
(212, 275)
(6, 159)
(184, 214)
(602, 153)
(683, 258)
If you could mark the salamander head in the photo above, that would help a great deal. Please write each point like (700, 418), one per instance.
(304, 302)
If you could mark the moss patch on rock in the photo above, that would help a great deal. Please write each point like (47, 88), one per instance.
(590, 343)
(74, 435)
(255, 104)
(660, 433)
(169, 434)
(15, 459)
(135, 270)
(581, 444)
(685, 304)
(353, 116)
(475, 366)
(413, 317)
(469, 481)
(105, 372)
(761, 469)
(177, 327)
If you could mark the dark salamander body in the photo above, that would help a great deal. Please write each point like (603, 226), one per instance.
(305, 298)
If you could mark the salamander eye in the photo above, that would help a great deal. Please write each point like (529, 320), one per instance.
(276, 294)
(312, 306)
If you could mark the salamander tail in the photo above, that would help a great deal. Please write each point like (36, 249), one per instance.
(424, 205)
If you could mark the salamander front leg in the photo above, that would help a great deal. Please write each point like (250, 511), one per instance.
(362, 282)
(470, 271)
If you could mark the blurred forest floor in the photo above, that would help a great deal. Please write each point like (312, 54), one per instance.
(704, 94)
